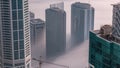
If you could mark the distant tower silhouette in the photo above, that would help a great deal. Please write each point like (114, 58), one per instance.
(37, 39)
(58, 5)
(82, 21)
(55, 31)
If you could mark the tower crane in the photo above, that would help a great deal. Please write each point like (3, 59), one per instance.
(43, 61)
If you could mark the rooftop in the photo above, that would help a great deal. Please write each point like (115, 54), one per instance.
(116, 4)
(37, 21)
(81, 5)
(106, 33)
(56, 9)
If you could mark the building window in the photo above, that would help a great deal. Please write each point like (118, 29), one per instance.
(21, 44)
(14, 15)
(16, 55)
(14, 25)
(15, 45)
(15, 35)
(20, 14)
(20, 24)
(21, 36)
(20, 4)
(13, 4)
(21, 54)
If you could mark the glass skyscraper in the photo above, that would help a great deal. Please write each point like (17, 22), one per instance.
(55, 31)
(15, 34)
(82, 20)
(103, 53)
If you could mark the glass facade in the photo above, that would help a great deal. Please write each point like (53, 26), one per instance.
(18, 34)
(14, 33)
(5, 33)
(103, 53)
(82, 21)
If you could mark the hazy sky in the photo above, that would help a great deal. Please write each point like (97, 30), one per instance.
(103, 15)
(103, 10)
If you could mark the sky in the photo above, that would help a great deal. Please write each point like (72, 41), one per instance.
(78, 57)
(103, 10)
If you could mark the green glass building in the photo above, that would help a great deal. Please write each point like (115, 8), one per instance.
(103, 52)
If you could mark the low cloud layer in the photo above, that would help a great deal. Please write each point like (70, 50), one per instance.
(75, 58)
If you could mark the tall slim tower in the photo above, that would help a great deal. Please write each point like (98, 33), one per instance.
(82, 20)
(37, 40)
(15, 34)
(55, 31)
(116, 20)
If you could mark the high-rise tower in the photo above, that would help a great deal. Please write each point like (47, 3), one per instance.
(15, 34)
(116, 20)
(55, 31)
(82, 20)
(37, 40)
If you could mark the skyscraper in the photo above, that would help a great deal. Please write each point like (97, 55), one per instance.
(116, 20)
(104, 49)
(82, 20)
(15, 34)
(55, 31)
(37, 40)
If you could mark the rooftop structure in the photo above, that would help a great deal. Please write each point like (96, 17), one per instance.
(106, 33)
(58, 5)
(104, 49)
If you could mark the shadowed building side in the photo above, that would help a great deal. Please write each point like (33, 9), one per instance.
(55, 31)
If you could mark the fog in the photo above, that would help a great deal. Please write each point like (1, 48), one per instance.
(103, 10)
(76, 57)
